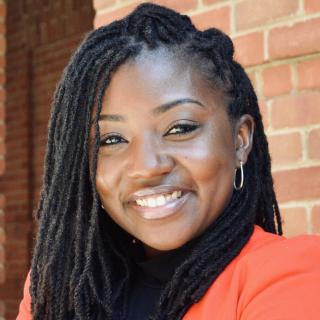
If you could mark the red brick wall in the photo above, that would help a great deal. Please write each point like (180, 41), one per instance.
(2, 144)
(41, 36)
(279, 44)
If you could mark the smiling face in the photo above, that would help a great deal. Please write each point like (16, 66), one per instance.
(167, 157)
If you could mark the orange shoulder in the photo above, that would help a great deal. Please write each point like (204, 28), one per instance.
(272, 278)
(282, 280)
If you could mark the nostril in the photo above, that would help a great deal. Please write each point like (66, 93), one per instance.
(150, 166)
(149, 173)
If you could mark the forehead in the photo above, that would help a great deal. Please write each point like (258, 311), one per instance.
(162, 63)
(155, 77)
(148, 73)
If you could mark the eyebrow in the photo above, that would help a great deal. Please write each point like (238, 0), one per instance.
(156, 111)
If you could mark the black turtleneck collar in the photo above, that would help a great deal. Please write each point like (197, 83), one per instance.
(157, 271)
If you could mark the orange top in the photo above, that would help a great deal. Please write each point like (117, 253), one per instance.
(273, 278)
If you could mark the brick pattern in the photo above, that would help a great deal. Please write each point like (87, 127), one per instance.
(254, 13)
(41, 36)
(2, 147)
(279, 44)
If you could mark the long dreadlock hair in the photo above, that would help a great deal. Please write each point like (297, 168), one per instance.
(80, 268)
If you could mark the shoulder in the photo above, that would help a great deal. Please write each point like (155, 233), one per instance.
(272, 278)
(280, 278)
(269, 249)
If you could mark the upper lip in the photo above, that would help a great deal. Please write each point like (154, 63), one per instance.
(154, 191)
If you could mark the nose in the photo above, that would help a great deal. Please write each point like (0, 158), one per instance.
(149, 161)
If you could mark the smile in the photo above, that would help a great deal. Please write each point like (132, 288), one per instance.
(161, 206)
(160, 200)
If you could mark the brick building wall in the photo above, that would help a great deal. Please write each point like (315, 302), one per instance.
(41, 36)
(279, 44)
(2, 143)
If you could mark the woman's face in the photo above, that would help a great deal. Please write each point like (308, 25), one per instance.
(168, 153)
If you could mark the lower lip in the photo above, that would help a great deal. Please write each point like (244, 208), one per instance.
(161, 212)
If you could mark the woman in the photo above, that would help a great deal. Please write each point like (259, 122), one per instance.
(158, 199)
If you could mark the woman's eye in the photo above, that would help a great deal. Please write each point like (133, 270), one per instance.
(111, 140)
(180, 129)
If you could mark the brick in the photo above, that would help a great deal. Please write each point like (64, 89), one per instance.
(2, 27)
(2, 236)
(180, 6)
(2, 148)
(297, 184)
(2, 113)
(252, 13)
(276, 80)
(2, 201)
(2, 44)
(208, 2)
(107, 17)
(292, 151)
(249, 49)
(299, 39)
(2, 166)
(312, 6)
(264, 113)
(2, 131)
(296, 111)
(2, 62)
(217, 18)
(309, 74)
(2, 78)
(103, 4)
(314, 144)
(55, 29)
(2, 95)
(253, 79)
(315, 219)
(2, 274)
(2, 255)
(294, 221)
(3, 9)
(1, 219)
(2, 307)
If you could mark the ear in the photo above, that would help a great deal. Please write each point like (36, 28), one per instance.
(244, 130)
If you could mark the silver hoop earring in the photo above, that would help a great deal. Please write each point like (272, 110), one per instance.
(242, 177)
(102, 207)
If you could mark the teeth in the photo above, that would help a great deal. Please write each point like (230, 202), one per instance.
(139, 202)
(176, 194)
(151, 202)
(159, 200)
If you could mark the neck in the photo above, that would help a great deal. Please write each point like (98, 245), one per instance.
(152, 252)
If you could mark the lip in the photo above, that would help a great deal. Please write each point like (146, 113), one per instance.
(161, 212)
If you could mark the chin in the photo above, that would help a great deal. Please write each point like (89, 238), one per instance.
(165, 245)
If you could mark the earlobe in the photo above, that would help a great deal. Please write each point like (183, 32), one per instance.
(244, 138)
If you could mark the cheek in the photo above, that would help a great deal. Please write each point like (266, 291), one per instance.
(106, 179)
(213, 172)
(209, 157)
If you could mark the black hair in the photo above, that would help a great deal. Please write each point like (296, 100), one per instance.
(80, 269)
